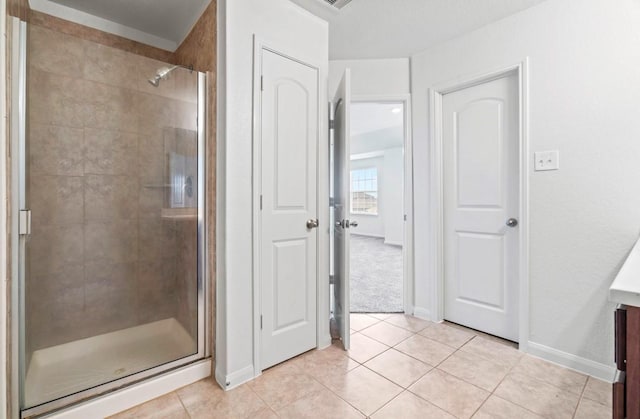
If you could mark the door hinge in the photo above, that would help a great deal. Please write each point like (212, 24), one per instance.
(332, 124)
(332, 202)
(261, 322)
(24, 223)
(405, 217)
(261, 82)
(260, 202)
(332, 279)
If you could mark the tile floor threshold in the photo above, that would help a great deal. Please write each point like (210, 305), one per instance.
(399, 367)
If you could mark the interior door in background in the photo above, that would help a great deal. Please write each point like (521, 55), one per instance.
(289, 233)
(342, 192)
(481, 195)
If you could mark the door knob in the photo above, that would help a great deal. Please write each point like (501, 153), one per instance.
(512, 222)
(312, 224)
(353, 223)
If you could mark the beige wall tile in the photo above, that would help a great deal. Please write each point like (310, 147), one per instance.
(55, 150)
(55, 52)
(158, 239)
(113, 241)
(56, 100)
(110, 107)
(110, 66)
(52, 248)
(155, 112)
(110, 152)
(56, 200)
(110, 197)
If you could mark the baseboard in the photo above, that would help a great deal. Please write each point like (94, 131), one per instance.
(422, 313)
(574, 362)
(126, 398)
(325, 343)
(236, 378)
(375, 236)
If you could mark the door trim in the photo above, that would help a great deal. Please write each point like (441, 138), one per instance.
(436, 194)
(408, 285)
(323, 337)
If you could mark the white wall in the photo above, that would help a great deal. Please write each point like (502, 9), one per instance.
(283, 25)
(584, 101)
(372, 77)
(388, 223)
(393, 186)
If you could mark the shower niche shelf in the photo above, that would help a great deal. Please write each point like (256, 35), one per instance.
(179, 213)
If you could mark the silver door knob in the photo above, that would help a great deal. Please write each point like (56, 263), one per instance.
(353, 223)
(343, 223)
(312, 224)
(512, 222)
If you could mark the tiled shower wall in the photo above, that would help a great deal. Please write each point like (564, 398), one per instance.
(101, 257)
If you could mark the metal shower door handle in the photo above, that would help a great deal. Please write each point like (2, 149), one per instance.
(352, 223)
(512, 222)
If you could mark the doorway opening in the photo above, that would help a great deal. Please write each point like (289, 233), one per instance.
(376, 207)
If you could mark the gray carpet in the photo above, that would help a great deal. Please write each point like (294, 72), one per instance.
(376, 276)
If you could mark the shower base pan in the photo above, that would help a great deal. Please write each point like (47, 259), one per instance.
(65, 369)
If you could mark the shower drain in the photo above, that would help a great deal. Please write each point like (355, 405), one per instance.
(119, 371)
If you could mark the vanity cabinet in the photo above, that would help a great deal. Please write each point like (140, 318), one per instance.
(626, 386)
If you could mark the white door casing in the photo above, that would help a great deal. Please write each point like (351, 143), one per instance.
(480, 129)
(289, 182)
(342, 199)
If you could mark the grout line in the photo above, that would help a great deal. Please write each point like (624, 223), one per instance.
(182, 403)
(584, 387)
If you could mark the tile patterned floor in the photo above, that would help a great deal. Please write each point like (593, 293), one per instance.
(399, 367)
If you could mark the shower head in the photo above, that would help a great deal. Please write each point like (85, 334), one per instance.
(161, 74)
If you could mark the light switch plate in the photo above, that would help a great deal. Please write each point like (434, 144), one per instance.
(547, 160)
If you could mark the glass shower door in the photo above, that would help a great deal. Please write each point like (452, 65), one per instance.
(113, 178)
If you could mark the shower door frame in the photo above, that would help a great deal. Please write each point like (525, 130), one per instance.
(18, 202)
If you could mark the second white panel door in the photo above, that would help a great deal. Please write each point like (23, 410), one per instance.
(481, 195)
(288, 251)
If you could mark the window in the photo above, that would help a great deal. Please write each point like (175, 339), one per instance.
(364, 191)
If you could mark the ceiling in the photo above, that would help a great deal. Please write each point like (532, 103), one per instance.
(161, 23)
(401, 28)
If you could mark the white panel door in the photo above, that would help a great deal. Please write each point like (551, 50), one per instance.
(342, 192)
(481, 172)
(288, 251)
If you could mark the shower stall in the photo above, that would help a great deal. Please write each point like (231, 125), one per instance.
(108, 177)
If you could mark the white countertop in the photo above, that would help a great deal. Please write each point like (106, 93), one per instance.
(625, 289)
